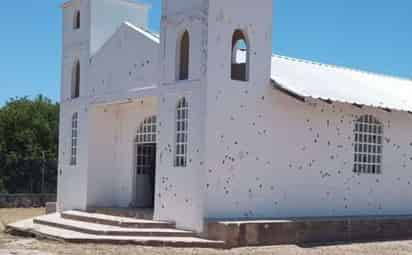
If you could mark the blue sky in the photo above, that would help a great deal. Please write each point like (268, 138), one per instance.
(363, 34)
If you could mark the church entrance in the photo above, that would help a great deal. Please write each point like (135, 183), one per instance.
(145, 170)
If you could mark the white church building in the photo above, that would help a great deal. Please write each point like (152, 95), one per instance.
(204, 122)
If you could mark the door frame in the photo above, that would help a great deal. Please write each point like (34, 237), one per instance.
(148, 138)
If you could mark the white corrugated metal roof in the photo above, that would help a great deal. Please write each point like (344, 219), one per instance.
(309, 79)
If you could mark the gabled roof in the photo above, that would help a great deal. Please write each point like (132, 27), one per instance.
(307, 79)
(151, 35)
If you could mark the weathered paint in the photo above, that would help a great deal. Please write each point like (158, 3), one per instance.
(112, 70)
(253, 152)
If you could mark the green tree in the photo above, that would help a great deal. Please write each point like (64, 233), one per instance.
(28, 141)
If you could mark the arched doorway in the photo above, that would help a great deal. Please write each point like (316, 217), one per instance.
(145, 163)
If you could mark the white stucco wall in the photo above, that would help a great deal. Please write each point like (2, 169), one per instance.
(111, 174)
(129, 60)
(125, 63)
(179, 193)
(269, 155)
(72, 179)
(253, 152)
(273, 156)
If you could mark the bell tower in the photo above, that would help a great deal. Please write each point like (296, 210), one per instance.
(76, 48)
(239, 42)
(183, 36)
(207, 47)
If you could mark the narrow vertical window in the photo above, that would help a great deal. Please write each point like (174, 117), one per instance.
(240, 57)
(182, 121)
(184, 49)
(76, 20)
(75, 90)
(368, 145)
(73, 155)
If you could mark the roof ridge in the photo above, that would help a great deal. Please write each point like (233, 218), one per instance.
(139, 28)
(342, 68)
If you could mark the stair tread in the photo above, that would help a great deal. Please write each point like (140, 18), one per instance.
(70, 235)
(57, 219)
(98, 216)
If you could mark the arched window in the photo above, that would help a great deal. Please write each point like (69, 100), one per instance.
(75, 90)
(73, 155)
(146, 146)
(76, 20)
(368, 145)
(240, 57)
(183, 54)
(182, 126)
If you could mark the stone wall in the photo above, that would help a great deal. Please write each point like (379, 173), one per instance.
(25, 200)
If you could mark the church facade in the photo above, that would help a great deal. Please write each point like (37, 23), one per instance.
(204, 122)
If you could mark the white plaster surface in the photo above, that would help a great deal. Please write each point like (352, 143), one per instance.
(253, 152)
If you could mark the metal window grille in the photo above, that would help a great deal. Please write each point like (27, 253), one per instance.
(182, 122)
(146, 136)
(368, 145)
(74, 140)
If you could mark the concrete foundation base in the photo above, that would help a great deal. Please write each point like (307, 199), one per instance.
(301, 231)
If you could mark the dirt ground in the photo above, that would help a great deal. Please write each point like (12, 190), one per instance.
(10, 245)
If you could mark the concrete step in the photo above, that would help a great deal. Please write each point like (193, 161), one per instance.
(114, 220)
(54, 233)
(137, 213)
(55, 220)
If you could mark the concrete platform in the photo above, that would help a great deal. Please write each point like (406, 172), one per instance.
(44, 231)
(311, 230)
(55, 220)
(115, 220)
(139, 213)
